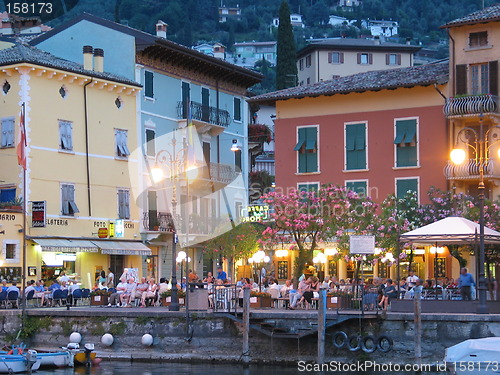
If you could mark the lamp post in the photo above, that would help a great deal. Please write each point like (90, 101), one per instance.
(480, 144)
(259, 259)
(176, 163)
(181, 257)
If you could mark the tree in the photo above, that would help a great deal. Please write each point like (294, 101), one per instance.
(286, 67)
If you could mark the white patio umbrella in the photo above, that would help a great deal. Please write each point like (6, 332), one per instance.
(451, 230)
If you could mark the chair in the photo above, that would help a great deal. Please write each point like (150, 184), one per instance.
(3, 298)
(64, 299)
(111, 290)
(76, 296)
(30, 297)
(86, 295)
(57, 296)
(275, 293)
(12, 299)
(221, 299)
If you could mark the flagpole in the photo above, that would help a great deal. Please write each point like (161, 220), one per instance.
(25, 208)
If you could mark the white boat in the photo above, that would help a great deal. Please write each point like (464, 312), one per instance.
(63, 358)
(475, 356)
(17, 363)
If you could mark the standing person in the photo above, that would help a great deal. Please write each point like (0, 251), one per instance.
(465, 283)
(411, 280)
(110, 279)
(101, 280)
(221, 275)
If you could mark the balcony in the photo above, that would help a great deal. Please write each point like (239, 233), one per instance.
(473, 105)
(202, 115)
(154, 221)
(470, 170)
(163, 222)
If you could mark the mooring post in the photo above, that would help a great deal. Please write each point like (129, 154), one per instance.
(246, 325)
(417, 302)
(321, 325)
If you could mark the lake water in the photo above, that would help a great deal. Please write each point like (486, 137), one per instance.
(161, 368)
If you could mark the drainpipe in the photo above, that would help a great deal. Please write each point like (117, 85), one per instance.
(87, 143)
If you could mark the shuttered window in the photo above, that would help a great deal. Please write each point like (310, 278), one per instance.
(406, 143)
(7, 132)
(122, 150)
(393, 59)
(461, 79)
(335, 57)
(355, 146)
(365, 58)
(65, 135)
(150, 142)
(123, 204)
(68, 205)
(7, 195)
(237, 109)
(478, 39)
(307, 148)
(405, 186)
(359, 187)
(148, 84)
(493, 78)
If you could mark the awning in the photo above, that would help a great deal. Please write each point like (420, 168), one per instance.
(66, 245)
(123, 248)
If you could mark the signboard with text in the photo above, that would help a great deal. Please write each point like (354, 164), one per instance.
(254, 213)
(119, 228)
(362, 244)
(38, 214)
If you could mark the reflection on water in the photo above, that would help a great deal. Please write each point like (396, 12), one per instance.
(161, 368)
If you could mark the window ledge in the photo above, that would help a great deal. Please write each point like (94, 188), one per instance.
(306, 173)
(149, 99)
(355, 170)
(68, 216)
(7, 147)
(71, 152)
(122, 158)
(413, 167)
(470, 49)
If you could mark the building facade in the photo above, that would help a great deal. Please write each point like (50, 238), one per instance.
(327, 59)
(79, 125)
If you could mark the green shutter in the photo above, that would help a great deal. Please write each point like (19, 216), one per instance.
(403, 186)
(360, 137)
(356, 146)
(308, 155)
(406, 131)
(302, 139)
(350, 137)
(311, 139)
(312, 161)
(148, 84)
(400, 132)
(237, 109)
(357, 186)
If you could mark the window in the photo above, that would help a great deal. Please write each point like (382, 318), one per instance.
(237, 160)
(308, 61)
(65, 136)
(406, 143)
(7, 132)
(478, 39)
(308, 187)
(237, 109)
(148, 84)
(123, 204)
(11, 251)
(355, 146)
(68, 205)
(307, 148)
(365, 58)
(393, 59)
(479, 79)
(8, 194)
(335, 57)
(405, 186)
(122, 150)
(150, 142)
(358, 186)
(301, 64)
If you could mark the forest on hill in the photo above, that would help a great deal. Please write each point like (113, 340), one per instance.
(192, 21)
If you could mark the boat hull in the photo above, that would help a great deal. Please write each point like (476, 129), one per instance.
(56, 359)
(16, 364)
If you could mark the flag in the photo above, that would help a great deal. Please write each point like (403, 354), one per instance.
(21, 145)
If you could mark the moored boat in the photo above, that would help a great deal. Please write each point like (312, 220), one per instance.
(63, 358)
(474, 356)
(18, 363)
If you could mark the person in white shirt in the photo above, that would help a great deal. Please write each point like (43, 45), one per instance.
(63, 277)
(30, 287)
(411, 280)
(114, 299)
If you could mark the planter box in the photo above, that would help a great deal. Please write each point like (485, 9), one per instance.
(333, 302)
(99, 300)
(259, 302)
(165, 301)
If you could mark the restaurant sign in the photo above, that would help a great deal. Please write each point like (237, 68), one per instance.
(38, 214)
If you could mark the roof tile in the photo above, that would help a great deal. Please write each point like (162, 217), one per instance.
(491, 13)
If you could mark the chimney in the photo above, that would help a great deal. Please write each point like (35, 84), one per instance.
(377, 40)
(99, 60)
(87, 57)
(161, 29)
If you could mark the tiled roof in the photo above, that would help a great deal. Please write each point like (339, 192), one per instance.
(422, 75)
(491, 13)
(21, 53)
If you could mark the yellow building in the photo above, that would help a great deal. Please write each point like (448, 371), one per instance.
(81, 128)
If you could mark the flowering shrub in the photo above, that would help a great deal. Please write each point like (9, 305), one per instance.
(100, 292)
(259, 294)
(168, 293)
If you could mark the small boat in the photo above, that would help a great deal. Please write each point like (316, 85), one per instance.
(62, 358)
(17, 363)
(475, 356)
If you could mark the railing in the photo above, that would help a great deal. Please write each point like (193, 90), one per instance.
(158, 221)
(204, 113)
(222, 173)
(470, 170)
(471, 105)
(164, 222)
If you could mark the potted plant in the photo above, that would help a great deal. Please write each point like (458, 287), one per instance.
(99, 297)
(334, 300)
(260, 299)
(166, 297)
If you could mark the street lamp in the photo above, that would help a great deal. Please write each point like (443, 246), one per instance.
(181, 257)
(480, 143)
(259, 259)
(176, 163)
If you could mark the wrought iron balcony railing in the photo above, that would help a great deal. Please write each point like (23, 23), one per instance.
(205, 113)
(469, 170)
(158, 221)
(471, 105)
(219, 173)
(154, 221)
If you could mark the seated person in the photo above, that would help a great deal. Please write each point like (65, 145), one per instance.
(114, 298)
(150, 292)
(163, 287)
(390, 293)
(29, 287)
(4, 285)
(139, 289)
(127, 296)
(50, 291)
